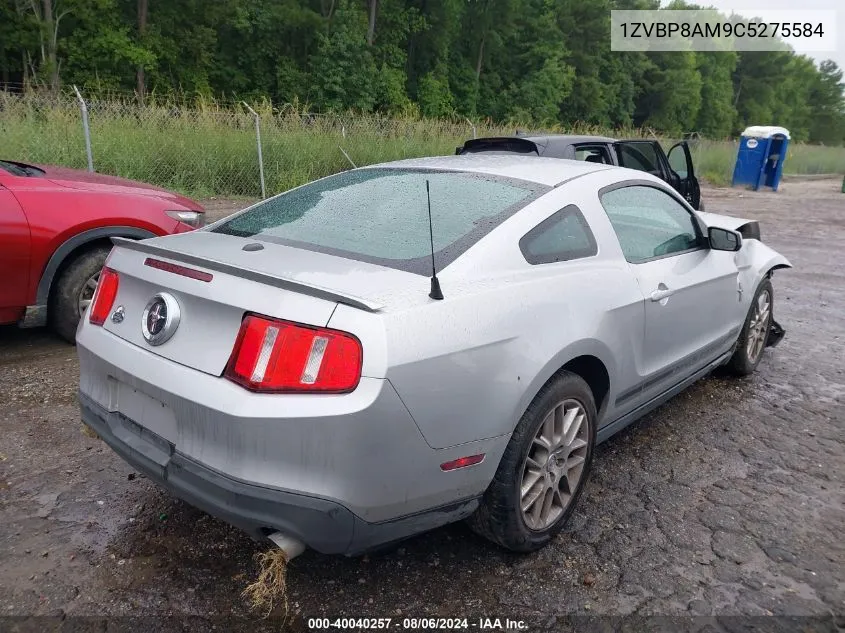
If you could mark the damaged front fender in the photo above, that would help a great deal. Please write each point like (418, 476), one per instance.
(756, 261)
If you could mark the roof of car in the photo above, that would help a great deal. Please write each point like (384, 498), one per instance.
(545, 171)
(547, 145)
(567, 139)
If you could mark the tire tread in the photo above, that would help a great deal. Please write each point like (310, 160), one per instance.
(62, 311)
(496, 518)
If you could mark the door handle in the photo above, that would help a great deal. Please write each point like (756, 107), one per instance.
(661, 293)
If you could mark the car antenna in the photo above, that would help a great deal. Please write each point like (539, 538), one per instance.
(435, 293)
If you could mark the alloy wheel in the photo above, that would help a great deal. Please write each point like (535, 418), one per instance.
(554, 465)
(86, 295)
(758, 326)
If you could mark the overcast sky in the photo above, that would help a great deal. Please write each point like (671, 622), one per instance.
(747, 8)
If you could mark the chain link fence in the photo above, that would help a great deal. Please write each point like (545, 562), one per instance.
(207, 148)
(212, 148)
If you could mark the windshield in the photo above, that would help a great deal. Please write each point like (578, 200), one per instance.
(380, 215)
(20, 169)
(12, 168)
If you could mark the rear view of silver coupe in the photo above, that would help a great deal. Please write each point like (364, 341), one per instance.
(396, 347)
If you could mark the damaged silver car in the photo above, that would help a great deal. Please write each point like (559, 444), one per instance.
(396, 347)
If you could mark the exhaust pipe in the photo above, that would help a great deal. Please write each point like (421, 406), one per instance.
(290, 546)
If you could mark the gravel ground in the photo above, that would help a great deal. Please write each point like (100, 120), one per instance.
(727, 501)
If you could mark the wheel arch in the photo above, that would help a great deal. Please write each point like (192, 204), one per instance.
(595, 374)
(771, 271)
(76, 245)
(591, 360)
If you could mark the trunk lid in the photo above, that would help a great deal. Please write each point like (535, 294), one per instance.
(277, 281)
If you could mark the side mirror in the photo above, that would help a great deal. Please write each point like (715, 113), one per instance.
(723, 239)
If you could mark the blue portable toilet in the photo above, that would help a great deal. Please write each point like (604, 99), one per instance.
(762, 152)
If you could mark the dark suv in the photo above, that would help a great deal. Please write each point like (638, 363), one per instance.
(675, 168)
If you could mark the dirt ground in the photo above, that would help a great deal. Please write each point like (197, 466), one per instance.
(727, 501)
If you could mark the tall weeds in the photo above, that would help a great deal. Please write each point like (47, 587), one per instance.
(204, 147)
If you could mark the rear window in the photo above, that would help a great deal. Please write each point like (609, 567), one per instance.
(502, 145)
(380, 215)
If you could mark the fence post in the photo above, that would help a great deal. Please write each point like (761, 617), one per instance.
(85, 128)
(472, 125)
(258, 143)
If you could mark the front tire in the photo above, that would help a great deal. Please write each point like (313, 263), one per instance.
(755, 332)
(543, 470)
(74, 290)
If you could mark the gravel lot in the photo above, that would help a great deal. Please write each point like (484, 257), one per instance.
(729, 500)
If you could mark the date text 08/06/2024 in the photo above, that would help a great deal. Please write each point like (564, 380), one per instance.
(418, 624)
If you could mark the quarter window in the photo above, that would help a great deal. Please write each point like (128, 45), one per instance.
(650, 223)
(593, 154)
(561, 237)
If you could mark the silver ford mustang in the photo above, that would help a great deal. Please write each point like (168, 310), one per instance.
(397, 347)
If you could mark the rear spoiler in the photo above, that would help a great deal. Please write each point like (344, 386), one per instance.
(510, 144)
(253, 275)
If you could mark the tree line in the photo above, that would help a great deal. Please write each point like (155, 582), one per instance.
(532, 61)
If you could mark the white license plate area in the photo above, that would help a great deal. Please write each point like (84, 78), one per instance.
(144, 410)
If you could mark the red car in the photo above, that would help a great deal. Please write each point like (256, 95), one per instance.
(56, 226)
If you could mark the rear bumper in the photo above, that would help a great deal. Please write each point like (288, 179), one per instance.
(343, 473)
(328, 525)
(323, 525)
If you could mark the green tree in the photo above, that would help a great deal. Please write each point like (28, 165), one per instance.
(590, 98)
(343, 73)
(434, 96)
(538, 61)
(671, 93)
(19, 36)
(717, 113)
(538, 77)
(827, 101)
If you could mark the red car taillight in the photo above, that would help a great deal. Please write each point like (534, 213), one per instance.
(283, 357)
(104, 296)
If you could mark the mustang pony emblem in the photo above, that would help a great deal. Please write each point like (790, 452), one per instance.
(160, 319)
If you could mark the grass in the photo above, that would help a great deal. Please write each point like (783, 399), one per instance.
(270, 587)
(209, 149)
(714, 160)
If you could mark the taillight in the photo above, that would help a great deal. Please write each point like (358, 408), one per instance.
(277, 356)
(104, 296)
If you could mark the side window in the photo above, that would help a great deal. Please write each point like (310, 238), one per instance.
(593, 154)
(639, 155)
(678, 161)
(561, 237)
(649, 223)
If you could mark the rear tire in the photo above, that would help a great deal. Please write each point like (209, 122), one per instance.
(755, 332)
(72, 289)
(558, 474)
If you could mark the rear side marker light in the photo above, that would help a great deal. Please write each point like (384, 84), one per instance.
(176, 269)
(275, 356)
(104, 295)
(462, 462)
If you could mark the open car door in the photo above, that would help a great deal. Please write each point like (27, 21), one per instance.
(643, 156)
(680, 162)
